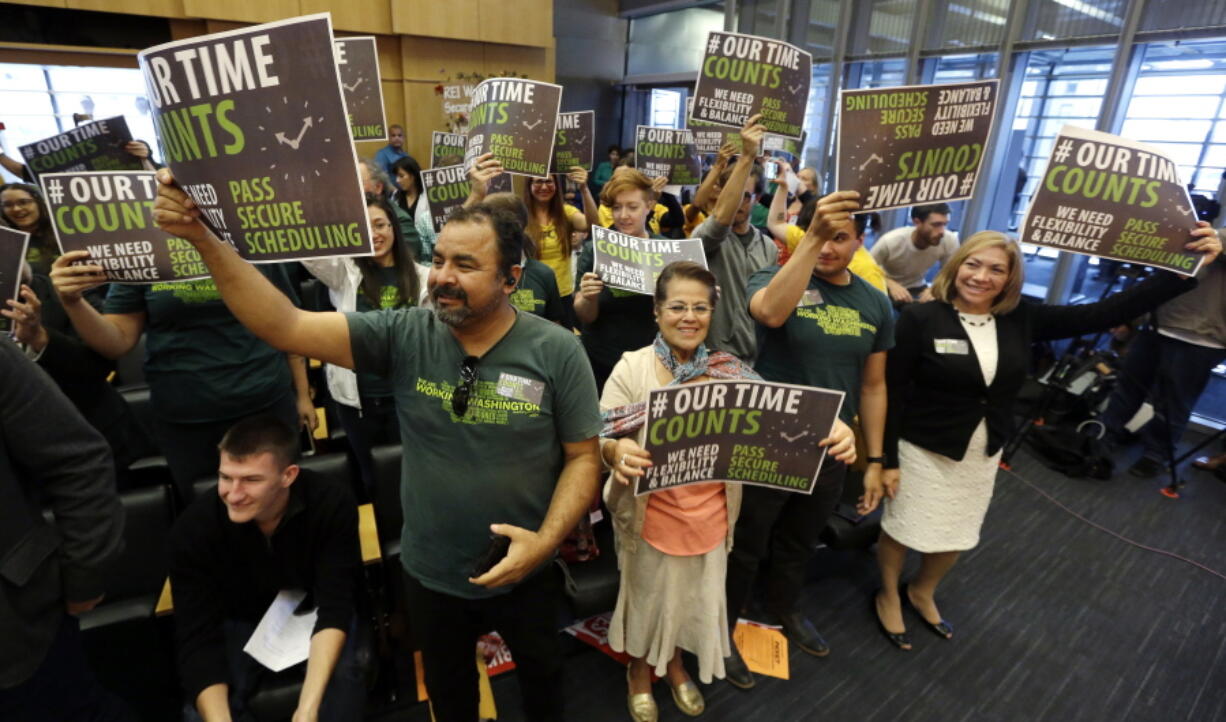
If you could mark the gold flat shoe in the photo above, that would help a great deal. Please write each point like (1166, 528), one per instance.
(689, 700)
(642, 706)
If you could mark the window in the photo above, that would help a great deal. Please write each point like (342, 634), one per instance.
(665, 109)
(39, 101)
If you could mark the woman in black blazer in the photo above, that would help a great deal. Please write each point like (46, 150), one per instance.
(956, 366)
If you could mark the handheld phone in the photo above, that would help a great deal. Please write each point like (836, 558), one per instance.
(495, 553)
(770, 170)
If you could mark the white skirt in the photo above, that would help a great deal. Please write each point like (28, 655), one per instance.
(666, 602)
(941, 503)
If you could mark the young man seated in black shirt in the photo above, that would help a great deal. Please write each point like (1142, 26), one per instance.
(270, 527)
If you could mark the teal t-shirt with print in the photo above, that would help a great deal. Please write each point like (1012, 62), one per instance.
(537, 292)
(827, 338)
(500, 462)
(373, 385)
(201, 363)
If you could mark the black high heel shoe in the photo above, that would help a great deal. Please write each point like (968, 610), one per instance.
(942, 629)
(901, 641)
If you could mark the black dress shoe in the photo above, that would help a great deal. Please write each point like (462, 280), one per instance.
(902, 641)
(942, 629)
(1146, 467)
(800, 630)
(735, 670)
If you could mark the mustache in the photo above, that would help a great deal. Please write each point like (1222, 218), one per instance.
(454, 292)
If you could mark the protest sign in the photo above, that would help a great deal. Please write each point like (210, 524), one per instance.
(743, 75)
(913, 145)
(447, 188)
(1103, 195)
(778, 145)
(447, 149)
(111, 216)
(255, 130)
(752, 432)
(514, 119)
(633, 264)
(575, 142)
(92, 146)
(13, 245)
(667, 152)
(708, 137)
(357, 59)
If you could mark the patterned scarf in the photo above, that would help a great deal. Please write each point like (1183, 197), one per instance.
(625, 420)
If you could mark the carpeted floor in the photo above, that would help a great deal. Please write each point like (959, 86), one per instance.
(1054, 620)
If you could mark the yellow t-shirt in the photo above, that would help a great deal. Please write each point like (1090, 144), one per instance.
(862, 263)
(653, 224)
(699, 217)
(554, 255)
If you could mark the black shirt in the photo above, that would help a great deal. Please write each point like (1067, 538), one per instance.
(221, 570)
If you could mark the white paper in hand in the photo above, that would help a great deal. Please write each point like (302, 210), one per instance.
(283, 639)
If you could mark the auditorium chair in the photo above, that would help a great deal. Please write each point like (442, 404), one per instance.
(132, 652)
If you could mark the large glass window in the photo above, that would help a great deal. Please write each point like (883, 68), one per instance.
(40, 101)
(671, 42)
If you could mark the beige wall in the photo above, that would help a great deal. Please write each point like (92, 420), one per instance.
(421, 43)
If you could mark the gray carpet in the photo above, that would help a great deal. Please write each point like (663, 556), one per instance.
(1054, 620)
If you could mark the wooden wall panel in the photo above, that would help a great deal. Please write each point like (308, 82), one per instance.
(455, 19)
(243, 11)
(439, 59)
(67, 55)
(183, 29)
(363, 16)
(522, 22)
(44, 3)
(157, 8)
(423, 113)
(388, 47)
(536, 63)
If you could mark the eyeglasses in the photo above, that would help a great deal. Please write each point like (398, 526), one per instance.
(680, 309)
(468, 379)
(22, 203)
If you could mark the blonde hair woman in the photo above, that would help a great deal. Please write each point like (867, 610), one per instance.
(957, 364)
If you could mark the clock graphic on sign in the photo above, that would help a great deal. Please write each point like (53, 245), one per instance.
(294, 130)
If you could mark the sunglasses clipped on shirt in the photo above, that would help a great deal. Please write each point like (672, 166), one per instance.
(463, 392)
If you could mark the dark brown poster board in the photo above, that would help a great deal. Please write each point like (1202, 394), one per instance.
(514, 119)
(111, 216)
(915, 144)
(357, 59)
(1103, 195)
(91, 146)
(667, 152)
(742, 75)
(447, 149)
(576, 141)
(255, 130)
(752, 432)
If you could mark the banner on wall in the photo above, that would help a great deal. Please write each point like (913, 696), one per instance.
(458, 98)
(633, 264)
(91, 146)
(575, 142)
(743, 75)
(750, 432)
(357, 59)
(913, 145)
(13, 246)
(447, 149)
(667, 152)
(515, 119)
(1106, 196)
(447, 188)
(111, 216)
(254, 127)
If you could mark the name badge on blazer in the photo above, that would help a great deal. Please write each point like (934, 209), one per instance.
(957, 346)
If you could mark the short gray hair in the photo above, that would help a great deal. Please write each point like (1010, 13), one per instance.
(377, 174)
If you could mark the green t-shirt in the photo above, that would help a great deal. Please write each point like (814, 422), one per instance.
(373, 385)
(201, 363)
(828, 337)
(500, 462)
(538, 292)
